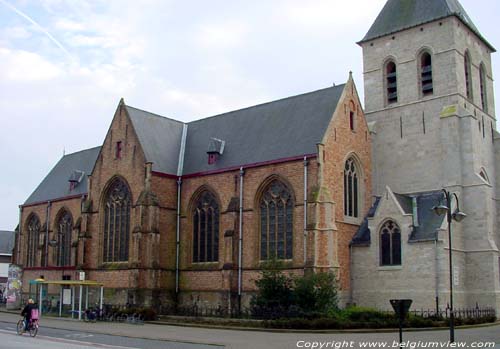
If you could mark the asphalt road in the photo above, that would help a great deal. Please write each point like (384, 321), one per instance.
(58, 333)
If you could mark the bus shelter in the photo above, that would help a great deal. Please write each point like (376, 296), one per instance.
(82, 285)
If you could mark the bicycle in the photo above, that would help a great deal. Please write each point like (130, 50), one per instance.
(32, 327)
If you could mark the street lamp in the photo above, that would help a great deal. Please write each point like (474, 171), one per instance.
(457, 216)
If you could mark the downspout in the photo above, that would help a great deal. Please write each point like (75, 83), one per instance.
(305, 211)
(240, 240)
(180, 167)
(437, 271)
(18, 249)
(47, 235)
(351, 295)
(177, 234)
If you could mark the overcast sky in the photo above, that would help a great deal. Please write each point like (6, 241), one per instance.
(64, 65)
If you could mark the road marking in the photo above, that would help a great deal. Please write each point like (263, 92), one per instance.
(79, 335)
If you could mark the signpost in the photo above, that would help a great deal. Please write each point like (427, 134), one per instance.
(401, 307)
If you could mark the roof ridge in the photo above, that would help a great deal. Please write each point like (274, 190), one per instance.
(265, 103)
(154, 114)
(82, 150)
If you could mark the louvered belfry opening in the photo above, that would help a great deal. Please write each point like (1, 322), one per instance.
(426, 74)
(392, 84)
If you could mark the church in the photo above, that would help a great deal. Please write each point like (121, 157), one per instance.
(166, 212)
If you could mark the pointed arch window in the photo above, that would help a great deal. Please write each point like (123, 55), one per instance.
(276, 222)
(206, 229)
(64, 230)
(116, 222)
(390, 244)
(468, 75)
(391, 82)
(33, 240)
(426, 74)
(351, 189)
(482, 83)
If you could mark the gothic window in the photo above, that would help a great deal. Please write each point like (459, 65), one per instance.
(206, 229)
(426, 74)
(351, 189)
(391, 82)
(468, 77)
(390, 244)
(33, 240)
(116, 222)
(276, 222)
(482, 83)
(64, 229)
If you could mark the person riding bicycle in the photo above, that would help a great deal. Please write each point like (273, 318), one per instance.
(26, 313)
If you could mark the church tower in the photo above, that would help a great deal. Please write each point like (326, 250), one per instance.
(430, 106)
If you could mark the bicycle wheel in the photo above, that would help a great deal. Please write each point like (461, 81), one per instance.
(20, 327)
(33, 330)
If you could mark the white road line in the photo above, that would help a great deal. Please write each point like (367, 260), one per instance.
(71, 341)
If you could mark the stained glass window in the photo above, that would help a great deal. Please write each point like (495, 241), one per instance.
(206, 229)
(351, 189)
(64, 229)
(390, 244)
(33, 240)
(276, 222)
(116, 222)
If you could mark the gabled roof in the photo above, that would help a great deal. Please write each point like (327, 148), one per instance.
(6, 242)
(160, 138)
(56, 184)
(362, 236)
(281, 129)
(399, 15)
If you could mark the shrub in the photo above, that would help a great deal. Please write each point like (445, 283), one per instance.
(316, 293)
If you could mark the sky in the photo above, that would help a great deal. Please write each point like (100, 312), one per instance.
(64, 65)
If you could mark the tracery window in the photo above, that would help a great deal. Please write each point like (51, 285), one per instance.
(206, 229)
(468, 77)
(351, 189)
(276, 222)
(33, 240)
(64, 229)
(482, 83)
(390, 244)
(391, 82)
(116, 222)
(426, 74)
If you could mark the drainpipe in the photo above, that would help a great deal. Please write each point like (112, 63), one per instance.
(177, 235)
(240, 240)
(47, 235)
(18, 249)
(305, 211)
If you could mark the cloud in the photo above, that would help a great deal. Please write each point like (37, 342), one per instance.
(26, 66)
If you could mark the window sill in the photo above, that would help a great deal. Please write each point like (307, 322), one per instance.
(353, 220)
(390, 267)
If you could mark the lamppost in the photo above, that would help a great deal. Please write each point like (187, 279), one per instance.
(457, 216)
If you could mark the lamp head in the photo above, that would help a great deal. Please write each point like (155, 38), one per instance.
(458, 216)
(440, 209)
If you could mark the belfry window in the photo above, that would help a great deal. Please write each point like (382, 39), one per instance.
(351, 189)
(426, 74)
(276, 222)
(482, 83)
(390, 244)
(116, 222)
(64, 229)
(206, 229)
(468, 76)
(391, 82)
(33, 240)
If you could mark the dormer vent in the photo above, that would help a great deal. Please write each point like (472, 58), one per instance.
(215, 149)
(75, 178)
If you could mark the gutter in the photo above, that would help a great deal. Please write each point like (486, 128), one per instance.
(305, 211)
(49, 204)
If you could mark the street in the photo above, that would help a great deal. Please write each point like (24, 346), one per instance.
(55, 333)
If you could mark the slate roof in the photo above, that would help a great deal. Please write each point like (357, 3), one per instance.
(428, 221)
(56, 184)
(398, 15)
(362, 236)
(160, 138)
(7, 239)
(281, 129)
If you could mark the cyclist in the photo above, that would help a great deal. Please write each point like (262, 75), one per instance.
(27, 313)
